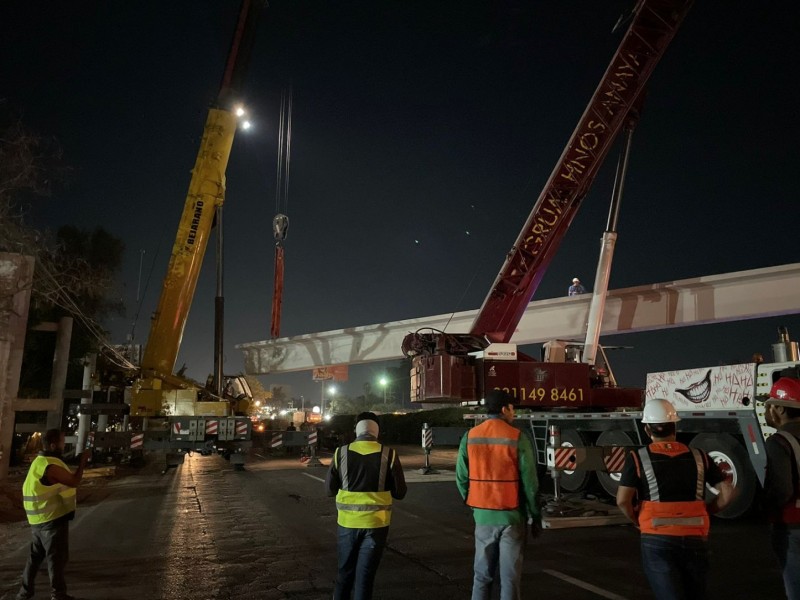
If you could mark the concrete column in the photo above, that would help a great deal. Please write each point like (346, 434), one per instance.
(85, 421)
(59, 379)
(16, 277)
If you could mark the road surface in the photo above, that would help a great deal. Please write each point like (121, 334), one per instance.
(206, 532)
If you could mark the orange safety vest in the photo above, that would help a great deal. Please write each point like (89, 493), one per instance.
(790, 513)
(493, 467)
(689, 518)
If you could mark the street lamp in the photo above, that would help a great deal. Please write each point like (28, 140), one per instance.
(332, 389)
(384, 382)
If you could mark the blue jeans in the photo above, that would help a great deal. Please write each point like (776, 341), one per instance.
(498, 549)
(675, 566)
(360, 552)
(786, 543)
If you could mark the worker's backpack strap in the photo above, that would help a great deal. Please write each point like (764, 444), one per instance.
(385, 453)
(343, 467)
(701, 473)
(649, 475)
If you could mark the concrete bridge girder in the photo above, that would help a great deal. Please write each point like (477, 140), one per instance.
(741, 295)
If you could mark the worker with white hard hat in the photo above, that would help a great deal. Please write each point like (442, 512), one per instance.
(576, 288)
(667, 481)
(782, 483)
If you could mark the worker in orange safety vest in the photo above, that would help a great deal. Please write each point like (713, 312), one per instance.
(782, 483)
(669, 480)
(496, 477)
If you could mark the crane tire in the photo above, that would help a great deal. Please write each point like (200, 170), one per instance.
(578, 480)
(613, 437)
(732, 458)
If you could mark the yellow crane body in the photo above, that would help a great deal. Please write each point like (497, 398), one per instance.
(158, 391)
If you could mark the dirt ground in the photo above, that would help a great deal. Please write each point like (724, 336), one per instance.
(14, 528)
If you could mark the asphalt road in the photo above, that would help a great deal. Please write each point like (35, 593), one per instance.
(204, 531)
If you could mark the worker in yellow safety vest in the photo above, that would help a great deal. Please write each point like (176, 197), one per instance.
(669, 481)
(364, 476)
(49, 498)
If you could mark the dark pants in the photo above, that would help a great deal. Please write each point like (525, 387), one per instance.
(786, 544)
(675, 566)
(360, 552)
(50, 544)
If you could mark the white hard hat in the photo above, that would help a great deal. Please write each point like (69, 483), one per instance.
(659, 410)
(575, 280)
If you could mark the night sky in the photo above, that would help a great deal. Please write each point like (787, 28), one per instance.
(415, 122)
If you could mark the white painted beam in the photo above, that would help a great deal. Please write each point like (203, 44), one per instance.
(728, 297)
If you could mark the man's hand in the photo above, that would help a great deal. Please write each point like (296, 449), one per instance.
(535, 526)
(85, 456)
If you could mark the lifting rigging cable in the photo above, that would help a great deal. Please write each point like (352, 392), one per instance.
(280, 222)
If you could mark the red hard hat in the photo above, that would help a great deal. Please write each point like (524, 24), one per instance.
(785, 392)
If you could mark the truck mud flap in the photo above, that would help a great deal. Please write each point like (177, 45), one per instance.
(174, 459)
(237, 460)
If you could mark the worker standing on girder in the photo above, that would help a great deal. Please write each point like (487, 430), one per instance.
(782, 484)
(496, 476)
(364, 476)
(669, 480)
(576, 288)
(49, 498)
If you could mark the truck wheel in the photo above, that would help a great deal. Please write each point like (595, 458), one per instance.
(732, 459)
(573, 481)
(614, 437)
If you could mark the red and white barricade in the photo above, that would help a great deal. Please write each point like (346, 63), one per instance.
(564, 458)
(615, 459)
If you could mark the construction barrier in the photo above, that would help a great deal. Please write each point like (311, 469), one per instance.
(427, 437)
(137, 441)
(439, 436)
(313, 461)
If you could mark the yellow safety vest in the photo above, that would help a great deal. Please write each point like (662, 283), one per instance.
(45, 503)
(369, 506)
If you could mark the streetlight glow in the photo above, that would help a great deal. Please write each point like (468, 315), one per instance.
(332, 390)
(239, 111)
(384, 382)
(246, 125)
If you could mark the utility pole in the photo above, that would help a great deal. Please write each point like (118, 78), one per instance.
(16, 278)
(58, 380)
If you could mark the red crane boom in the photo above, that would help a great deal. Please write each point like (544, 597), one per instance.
(654, 25)
(443, 370)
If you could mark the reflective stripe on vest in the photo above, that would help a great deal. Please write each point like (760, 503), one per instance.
(688, 518)
(790, 513)
(492, 455)
(364, 509)
(45, 503)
